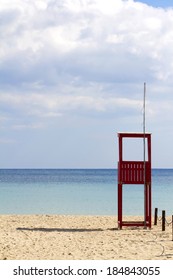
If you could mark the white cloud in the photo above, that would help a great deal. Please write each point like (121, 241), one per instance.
(54, 105)
(79, 37)
(84, 58)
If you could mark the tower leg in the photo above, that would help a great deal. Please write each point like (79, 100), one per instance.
(145, 206)
(148, 205)
(120, 204)
(150, 210)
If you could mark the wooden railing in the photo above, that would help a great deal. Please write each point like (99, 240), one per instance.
(132, 172)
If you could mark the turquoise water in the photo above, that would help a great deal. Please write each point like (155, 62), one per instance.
(78, 192)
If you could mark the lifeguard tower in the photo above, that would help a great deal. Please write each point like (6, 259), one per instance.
(135, 172)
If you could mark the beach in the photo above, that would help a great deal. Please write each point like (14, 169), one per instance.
(58, 237)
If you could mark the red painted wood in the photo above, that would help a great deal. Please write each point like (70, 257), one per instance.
(133, 223)
(132, 172)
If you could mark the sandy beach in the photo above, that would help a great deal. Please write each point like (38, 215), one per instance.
(51, 237)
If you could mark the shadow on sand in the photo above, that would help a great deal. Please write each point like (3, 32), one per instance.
(59, 229)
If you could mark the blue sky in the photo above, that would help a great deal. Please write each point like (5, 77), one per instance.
(158, 3)
(72, 75)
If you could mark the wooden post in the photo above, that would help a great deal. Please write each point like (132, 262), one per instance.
(163, 220)
(155, 216)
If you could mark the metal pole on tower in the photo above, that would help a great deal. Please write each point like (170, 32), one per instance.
(144, 127)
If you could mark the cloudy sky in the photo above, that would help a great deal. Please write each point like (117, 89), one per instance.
(72, 75)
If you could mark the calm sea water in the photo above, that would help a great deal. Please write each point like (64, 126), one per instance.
(78, 191)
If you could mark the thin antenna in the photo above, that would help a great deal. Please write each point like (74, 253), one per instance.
(144, 126)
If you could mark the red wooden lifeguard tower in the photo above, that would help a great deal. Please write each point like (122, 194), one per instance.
(135, 172)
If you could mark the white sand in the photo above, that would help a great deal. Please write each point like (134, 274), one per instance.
(31, 237)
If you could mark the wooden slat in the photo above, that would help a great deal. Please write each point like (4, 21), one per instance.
(133, 223)
(133, 172)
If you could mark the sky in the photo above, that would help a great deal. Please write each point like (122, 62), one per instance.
(72, 75)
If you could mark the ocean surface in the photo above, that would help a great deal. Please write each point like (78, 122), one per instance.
(79, 192)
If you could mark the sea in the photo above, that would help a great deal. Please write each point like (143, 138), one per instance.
(79, 192)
